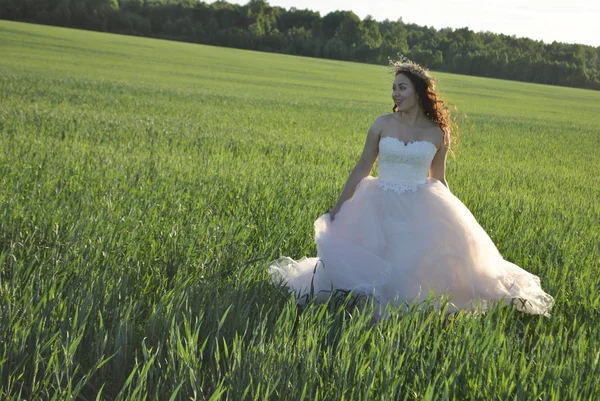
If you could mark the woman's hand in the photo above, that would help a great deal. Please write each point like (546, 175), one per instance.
(334, 210)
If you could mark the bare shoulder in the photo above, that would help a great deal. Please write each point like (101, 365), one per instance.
(433, 127)
(436, 134)
(378, 124)
(382, 119)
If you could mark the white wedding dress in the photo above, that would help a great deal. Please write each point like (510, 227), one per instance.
(402, 236)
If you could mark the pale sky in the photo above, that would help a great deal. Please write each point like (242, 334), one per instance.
(575, 21)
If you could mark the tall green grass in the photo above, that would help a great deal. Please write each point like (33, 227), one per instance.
(145, 184)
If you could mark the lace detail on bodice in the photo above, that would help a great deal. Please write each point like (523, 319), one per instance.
(404, 167)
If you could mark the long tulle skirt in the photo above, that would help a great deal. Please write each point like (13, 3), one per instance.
(401, 247)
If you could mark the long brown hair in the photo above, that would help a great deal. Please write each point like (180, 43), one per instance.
(433, 107)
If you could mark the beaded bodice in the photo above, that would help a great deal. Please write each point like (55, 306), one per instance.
(404, 166)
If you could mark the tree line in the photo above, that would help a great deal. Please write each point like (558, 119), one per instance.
(340, 35)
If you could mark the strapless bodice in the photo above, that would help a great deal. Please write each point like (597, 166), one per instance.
(404, 166)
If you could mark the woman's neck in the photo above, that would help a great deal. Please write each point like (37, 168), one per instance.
(413, 117)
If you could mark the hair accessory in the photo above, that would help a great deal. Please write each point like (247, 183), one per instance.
(403, 64)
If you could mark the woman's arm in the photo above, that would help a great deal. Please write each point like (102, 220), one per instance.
(363, 166)
(438, 165)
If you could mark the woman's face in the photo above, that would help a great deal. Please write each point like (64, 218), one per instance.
(403, 93)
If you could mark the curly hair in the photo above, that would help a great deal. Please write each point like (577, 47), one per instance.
(433, 107)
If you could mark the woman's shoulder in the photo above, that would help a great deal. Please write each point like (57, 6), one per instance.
(437, 135)
(379, 122)
(383, 119)
(430, 125)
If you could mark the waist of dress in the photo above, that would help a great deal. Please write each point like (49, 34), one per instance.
(400, 186)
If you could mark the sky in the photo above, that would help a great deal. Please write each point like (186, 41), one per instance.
(575, 21)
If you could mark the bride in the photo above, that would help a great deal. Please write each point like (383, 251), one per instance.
(403, 235)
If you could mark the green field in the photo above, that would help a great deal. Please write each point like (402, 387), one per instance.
(145, 185)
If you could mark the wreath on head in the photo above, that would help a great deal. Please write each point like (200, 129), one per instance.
(403, 64)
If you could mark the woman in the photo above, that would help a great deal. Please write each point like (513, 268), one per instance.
(402, 235)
